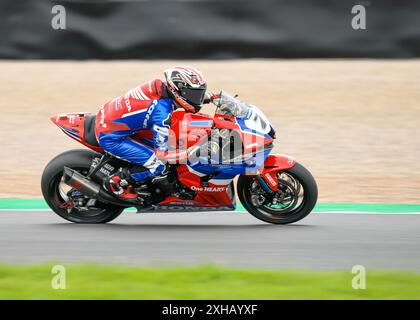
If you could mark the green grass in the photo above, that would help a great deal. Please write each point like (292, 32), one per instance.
(203, 282)
(40, 204)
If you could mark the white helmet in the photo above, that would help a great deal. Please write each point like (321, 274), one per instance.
(187, 86)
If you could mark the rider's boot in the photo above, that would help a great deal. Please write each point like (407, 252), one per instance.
(131, 184)
(119, 184)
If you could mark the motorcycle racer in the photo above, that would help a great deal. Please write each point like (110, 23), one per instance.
(205, 154)
(147, 107)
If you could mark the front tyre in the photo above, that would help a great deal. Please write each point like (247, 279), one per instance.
(55, 192)
(297, 196)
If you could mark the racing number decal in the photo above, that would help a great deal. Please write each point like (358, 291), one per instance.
(257, 122)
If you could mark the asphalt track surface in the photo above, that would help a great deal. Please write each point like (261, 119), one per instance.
(322, 241)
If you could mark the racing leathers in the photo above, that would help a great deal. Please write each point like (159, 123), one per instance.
(146, 107)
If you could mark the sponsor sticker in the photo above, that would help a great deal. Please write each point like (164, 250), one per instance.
(270, 179)
(208, 189)
(118, 104)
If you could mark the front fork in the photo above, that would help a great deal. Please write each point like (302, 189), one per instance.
(274, 164)
(269, 187)
(269, 182)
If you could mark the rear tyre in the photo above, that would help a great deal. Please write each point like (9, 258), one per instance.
(300, 194)
(51, 185)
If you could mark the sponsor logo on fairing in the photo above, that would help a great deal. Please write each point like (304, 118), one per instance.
(183, 203)
(209, 189)
(270, 179)
(118, 104)
(72, 119)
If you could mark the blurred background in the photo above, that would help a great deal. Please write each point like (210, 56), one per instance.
(340, 80)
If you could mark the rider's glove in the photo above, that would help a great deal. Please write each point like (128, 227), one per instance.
(210, 97)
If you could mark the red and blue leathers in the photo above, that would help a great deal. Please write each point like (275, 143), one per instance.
(146, 107)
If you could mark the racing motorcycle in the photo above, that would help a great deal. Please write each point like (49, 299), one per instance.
(236, 141)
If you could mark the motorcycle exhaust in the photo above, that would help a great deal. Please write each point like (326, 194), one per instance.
(87, 187)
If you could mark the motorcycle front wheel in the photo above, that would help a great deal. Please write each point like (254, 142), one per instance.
(297, 196)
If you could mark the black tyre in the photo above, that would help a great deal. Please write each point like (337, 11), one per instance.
(51, 184)
(298, 198)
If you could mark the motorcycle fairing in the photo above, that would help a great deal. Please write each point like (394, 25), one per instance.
(274, 164)
(189, 129)
(213, 183)
(72, 124)
(278, 162)
(216, 192)
(251, 139)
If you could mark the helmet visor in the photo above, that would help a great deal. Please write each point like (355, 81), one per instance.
(194, 96)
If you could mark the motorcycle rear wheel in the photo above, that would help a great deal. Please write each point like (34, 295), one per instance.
(51, 185)
(300, 180)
